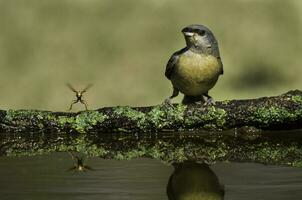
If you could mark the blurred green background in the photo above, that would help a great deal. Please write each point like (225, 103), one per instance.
(122, 48)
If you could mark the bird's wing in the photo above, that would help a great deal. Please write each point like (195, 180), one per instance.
(217, 55)
(172, 62)
(221, 65)
(170, 65)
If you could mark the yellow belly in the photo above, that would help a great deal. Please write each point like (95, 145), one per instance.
(195, 74)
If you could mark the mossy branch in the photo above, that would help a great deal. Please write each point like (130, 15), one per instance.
(28, 132)
(279, 112)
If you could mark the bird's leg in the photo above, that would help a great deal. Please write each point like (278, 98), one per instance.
(84, 102)
(174, 94)
(193, 99)
(209, 100)
(73, 102)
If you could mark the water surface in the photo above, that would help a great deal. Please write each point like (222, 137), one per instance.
(47, 177)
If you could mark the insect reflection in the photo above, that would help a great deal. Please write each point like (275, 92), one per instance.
(79, 165)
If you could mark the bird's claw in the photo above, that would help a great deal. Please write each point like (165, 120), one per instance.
(209, 102)
(167, 102)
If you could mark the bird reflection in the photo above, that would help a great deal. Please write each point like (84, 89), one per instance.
(194, 181)
(79, 165)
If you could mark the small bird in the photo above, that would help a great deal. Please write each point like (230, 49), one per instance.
(79, 95)
(195, 69)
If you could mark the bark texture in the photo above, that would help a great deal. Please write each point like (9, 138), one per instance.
(279, 112)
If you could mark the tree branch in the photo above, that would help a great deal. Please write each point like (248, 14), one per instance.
(133, 131)
(279, 112)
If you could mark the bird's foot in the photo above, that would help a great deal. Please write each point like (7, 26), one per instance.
(167, 103)
(200, 103)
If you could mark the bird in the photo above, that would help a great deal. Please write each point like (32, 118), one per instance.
(79, 95)
(195, 69)
(194, 181)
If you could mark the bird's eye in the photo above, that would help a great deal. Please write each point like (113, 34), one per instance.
(186, 30)
(202, 32)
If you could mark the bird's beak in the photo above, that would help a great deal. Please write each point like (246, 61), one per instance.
(190, 34)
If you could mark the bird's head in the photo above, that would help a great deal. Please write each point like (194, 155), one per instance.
(199, 38)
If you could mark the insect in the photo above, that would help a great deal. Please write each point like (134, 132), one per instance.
(79, 165)
(79, 95)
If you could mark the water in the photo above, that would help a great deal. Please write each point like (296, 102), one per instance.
(47, 177)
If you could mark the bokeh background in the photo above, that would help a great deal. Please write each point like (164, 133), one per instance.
(122, 47)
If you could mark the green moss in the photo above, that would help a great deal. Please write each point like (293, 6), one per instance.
(28, 114)
(154, 152)
(296, 164)
(159, 116)
(297, 99)
(208, 148)
(83, 145)
(64, 121)
(123, 130)
(216, 114)
(25, 118)
(85, 120)
(214, 153)
(132, 115)
(23, 114)
(210, 126)
(213, 118)
(127, 111)
(163, 151)
(274, 114)
(225, 102)
(162, 116)
(142, 150)
(41, 126)
(177, 114)
(268, 152)
(135, 153)
(82, 122)
(178, 155)
(80, 144)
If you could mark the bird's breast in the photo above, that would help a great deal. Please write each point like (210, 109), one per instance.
(198, 67)
(195, 74)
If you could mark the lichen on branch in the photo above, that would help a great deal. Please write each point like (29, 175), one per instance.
(279, 112)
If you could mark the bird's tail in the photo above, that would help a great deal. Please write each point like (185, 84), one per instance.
(192, 99)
